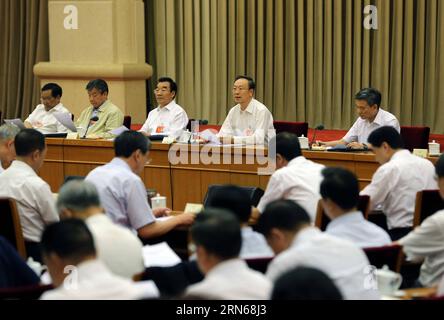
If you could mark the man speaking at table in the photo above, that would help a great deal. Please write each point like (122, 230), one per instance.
(371, 117)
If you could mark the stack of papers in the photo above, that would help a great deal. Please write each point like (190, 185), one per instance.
(159, 255)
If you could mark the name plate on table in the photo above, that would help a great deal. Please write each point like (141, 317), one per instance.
(423, 153)
(193, 208)
(72, 135)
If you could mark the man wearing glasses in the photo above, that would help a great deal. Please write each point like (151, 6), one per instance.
(371, 117)
(168, 118)
(249, 122)
(42, 118)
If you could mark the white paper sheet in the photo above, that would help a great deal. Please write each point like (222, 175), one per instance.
(118, 131)
(66, 120)
(159, 255)
(17, 122)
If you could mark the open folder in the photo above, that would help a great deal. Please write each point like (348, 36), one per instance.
(17, 122)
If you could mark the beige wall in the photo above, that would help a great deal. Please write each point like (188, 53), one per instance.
(109, 43)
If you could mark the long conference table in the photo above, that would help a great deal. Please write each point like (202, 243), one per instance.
(183, 172)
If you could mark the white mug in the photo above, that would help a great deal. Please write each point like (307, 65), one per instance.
(388, 281)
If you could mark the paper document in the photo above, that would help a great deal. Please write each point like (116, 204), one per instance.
(17, 122)
(159, 255)
(210, 137)
(118, 131)
(66, 120)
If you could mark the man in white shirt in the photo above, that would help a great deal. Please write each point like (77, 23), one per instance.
(168, 118)
(35, 201)
(426, 242)
(371, 117)
(217, 237)
(287, 228)
(249, 122)
(236, 200)
(7, 149)
(340, 197)
(42, 118)
(123, 193)
(70, 255)
(396, 182)
(296, 178)
(80, 199)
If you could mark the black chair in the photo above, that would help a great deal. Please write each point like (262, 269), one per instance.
(259, 264)
(415, 137)
(298, 128)
(127, 122)
(391, 256)
(72, 178)
(201, 122)
(10, 226)
(428, 202)
(254, 192)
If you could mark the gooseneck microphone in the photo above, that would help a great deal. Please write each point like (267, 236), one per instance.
(319, 127)
(95, 118)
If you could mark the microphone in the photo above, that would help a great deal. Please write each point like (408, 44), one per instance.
(319, 127)
(95, 118)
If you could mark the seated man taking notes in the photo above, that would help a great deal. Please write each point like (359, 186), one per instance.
(249, 122)
(42, 118)
(168, 118)
(102, 116)
(371, 117)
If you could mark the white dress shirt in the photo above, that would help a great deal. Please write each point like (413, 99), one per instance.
(44, 121)
(252, 126)
(232, 280)
(395, 184)
(361, 129)
(116, 246)
(169, 120)
(123, 194)
(1, 168)
(35, 201)
(94, 282)
(427, 242)
(341, 260)
(299, 181)
(353, 227)
(254, 245)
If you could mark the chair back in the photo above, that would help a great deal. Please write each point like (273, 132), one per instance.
(298, 128)
(259, 264)
(391, 256)
(427, 203)
(127, 122)
(415, 137)
(254, 192)
(10, 226)
(322, 220)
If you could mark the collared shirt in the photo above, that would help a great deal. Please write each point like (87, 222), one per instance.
(94, 282)
(169, 120)
(299, 181)
(232, 280)
(35, 202)
(122, 257)
(110, 118)
(341, 260)
(252, 126)
(254, 245)
(122, 194)
(44, 121)
(361, 129)
(352, 226)
(427, 242)
(395, 184)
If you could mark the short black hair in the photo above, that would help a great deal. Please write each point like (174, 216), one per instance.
(439, 167)
(234, 199)
(98, 84)
(386, 134)
(173, 84)
(218, 231)
(129, 141)
(304, 283)
(284, 215)
(251, 83)
(56, 90)
(340, 186)
(27, 141)
(286, 144)
(68, 238)
(370, 95)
